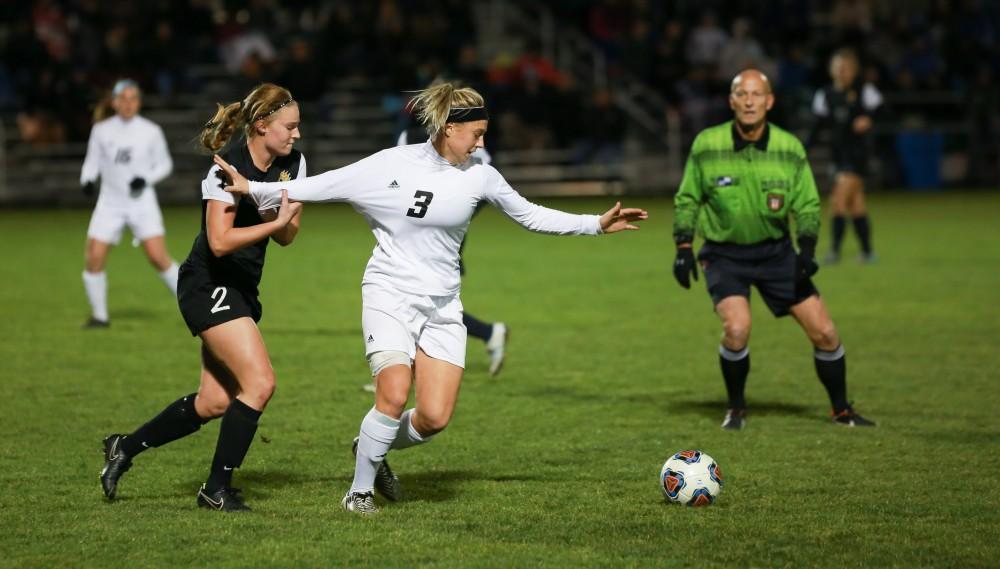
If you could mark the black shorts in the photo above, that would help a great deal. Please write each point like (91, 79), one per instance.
(205, 304)
(852, 160)
(731, 269)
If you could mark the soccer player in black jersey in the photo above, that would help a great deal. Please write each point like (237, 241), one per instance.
(217, 295)
(846, 107)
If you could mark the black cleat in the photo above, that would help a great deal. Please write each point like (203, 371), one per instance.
(93, 323)
(224, 499)
(116, 463)
(849, 418)
(735, 419)
(386, 481)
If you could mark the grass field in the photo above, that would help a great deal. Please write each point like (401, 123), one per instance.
(612, 368)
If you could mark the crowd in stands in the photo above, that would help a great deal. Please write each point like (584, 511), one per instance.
(59, 56)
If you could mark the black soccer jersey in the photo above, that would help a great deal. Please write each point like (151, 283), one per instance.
(839, 109)
(243, 268)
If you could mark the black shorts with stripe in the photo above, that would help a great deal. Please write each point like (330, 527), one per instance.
(206, 302)
(731, 269)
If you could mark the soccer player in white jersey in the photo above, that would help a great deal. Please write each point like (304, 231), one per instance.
(418, 200)
(126, 156)
(493, 334)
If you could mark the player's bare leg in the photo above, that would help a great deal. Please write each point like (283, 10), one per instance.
(734, 357)
(238, 347)
(156, 252)
(845, 186)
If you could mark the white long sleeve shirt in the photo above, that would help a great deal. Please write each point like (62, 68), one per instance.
(419, 207)
(120, 150)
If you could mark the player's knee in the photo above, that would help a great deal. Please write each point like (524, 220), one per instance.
(211, 407)
(825, 337)
(259, 388)
(390, 401)
(737, 334)
(431, 423)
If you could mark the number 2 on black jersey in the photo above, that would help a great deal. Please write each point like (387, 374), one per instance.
(420, 206)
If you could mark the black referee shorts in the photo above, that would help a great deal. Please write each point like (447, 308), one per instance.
(731, 269)
(205, 304)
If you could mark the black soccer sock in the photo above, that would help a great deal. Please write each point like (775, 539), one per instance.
(239, 425)
(864, 230)
(477, 328)
(839, 225)
(735, 368)
(831, 367)
(178, 420)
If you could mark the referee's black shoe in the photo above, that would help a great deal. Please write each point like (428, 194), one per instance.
(735, 419)
(850, 418)
(116, 463)
(224, 499)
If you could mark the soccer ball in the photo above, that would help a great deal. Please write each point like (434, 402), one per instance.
(692, 478)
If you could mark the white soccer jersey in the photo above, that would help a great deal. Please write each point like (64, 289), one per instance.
(120, 150)
(419, 207)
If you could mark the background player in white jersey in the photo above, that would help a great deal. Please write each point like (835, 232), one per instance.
(418, 200)
(126, 155)
(493, 334)
(218, 297)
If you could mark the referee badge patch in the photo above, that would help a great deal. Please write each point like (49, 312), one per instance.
(284, 176)
(775, 202)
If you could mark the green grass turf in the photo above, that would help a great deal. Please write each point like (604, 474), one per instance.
(612, 368)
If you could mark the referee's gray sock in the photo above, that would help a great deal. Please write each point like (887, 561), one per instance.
(735, 368)
(831, 367)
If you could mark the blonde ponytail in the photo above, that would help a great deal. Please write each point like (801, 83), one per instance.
(433, 105)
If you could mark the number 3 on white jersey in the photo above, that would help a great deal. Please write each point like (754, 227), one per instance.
(219, 291)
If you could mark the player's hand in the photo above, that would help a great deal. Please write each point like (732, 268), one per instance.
(805, 262)
(238, 183)
(861, 124)
(685, 266)
(620, 219)
(89, 189)
(287, 210)
(136, 186)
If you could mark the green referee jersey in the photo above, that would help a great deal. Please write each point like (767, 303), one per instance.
(736, 191)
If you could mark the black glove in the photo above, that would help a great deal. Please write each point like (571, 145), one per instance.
(805, 261)
(89, 189)
(685, 266)
(136, 186)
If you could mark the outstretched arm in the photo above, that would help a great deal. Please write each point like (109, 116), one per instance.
(330, 186)
(546, 220)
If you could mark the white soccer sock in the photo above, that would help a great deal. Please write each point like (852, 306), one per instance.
(96, 285)
(407, 435)
(377, 434)
(169, 277)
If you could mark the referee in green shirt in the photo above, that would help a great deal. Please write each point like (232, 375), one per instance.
(743, 181)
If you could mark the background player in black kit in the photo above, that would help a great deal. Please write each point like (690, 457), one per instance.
(846, 107)
(217, 294)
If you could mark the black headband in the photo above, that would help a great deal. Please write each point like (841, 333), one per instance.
(272, 111)
(468, 114)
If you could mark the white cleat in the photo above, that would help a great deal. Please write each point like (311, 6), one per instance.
(361, 503)
(496, 347)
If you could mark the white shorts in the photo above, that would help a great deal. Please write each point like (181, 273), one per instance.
(142, 217)
(402, 321)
